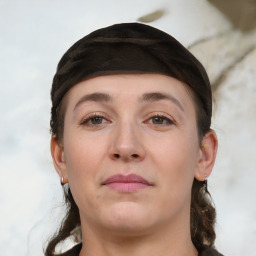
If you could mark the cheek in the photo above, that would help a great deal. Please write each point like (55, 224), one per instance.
(83, 162)
(176, 159)
(83, 157)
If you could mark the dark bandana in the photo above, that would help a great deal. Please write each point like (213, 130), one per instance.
(128, 48)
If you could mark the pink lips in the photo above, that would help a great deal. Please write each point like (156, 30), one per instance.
(126, 183)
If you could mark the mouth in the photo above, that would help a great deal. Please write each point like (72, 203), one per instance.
(126, 183)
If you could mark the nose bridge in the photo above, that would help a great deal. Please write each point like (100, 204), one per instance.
(126, 142)
(127, 133)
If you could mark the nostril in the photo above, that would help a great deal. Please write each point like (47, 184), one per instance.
(118, 156)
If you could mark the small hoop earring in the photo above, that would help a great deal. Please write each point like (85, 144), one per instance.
(62, 181)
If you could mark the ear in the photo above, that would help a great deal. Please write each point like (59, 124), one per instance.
(207, 155)
(58, 157)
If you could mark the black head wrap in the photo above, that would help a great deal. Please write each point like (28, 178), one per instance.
(129, 48)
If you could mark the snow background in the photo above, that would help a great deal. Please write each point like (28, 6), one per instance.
(33, 37)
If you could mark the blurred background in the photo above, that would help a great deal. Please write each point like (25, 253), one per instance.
(33, 37)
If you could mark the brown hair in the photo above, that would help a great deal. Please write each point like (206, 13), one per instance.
(134, 48)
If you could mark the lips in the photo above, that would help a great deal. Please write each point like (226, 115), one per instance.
(126, 183)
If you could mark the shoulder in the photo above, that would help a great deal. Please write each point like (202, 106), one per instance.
(208, 251)
(73, 252)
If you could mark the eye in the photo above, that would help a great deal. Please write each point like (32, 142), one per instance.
(94, 120)
(159, 119)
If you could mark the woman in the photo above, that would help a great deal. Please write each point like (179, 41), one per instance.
(132, 144)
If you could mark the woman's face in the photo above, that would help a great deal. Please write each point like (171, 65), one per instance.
(131, 151)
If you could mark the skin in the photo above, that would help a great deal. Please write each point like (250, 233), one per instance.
(156, 139)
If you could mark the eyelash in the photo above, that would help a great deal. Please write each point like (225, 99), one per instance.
(86, 121)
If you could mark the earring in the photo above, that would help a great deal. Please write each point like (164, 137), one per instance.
(62, 181)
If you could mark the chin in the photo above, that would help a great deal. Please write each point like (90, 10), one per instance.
(128, 217)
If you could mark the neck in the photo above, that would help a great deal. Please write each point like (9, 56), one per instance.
(162, 242)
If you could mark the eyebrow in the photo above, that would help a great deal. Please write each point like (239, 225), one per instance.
(156, 96)
(96, 97)
(147, 97)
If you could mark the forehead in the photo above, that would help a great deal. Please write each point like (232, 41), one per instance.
(130, 86)
(130, 92)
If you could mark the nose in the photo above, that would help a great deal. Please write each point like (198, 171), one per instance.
(127, 143)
